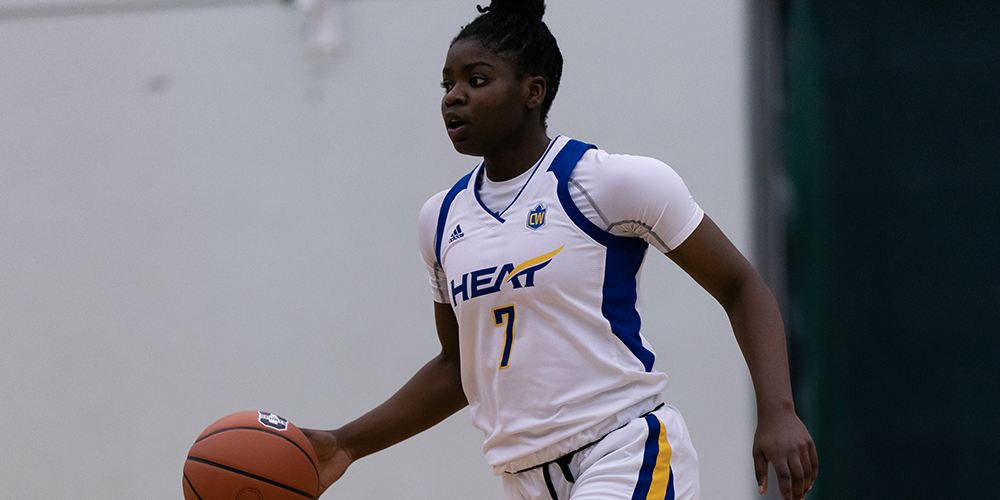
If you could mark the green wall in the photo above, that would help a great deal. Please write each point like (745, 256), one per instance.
(892, 145)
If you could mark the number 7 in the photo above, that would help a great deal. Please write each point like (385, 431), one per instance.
(501, 316)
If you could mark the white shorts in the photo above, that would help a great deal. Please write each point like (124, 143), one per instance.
(651, 457)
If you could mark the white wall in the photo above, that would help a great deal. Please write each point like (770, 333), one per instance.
(196, 219)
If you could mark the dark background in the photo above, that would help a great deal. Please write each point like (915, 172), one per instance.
(888, 134)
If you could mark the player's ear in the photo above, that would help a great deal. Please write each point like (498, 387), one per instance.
(535, 88)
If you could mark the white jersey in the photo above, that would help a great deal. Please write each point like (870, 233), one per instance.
(548, 304)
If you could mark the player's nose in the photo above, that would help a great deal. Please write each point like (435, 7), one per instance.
(455, 97)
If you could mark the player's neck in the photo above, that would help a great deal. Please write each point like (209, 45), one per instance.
(510, 162)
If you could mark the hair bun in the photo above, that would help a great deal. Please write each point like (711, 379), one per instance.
(532, 9)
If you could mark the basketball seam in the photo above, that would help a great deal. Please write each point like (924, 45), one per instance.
(248, 428)
(188, 481)
(247, 474)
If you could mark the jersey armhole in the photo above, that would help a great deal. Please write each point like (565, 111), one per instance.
(443, 215)
(562, 166)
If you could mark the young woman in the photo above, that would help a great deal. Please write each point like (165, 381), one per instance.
(534, 260)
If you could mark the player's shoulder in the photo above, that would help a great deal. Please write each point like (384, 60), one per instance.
(433, 204)
(432, 207)
(427, 224)
(616, 168)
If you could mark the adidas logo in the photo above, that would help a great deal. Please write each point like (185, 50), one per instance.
(456, 234)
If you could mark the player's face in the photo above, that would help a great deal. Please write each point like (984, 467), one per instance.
(484, 105)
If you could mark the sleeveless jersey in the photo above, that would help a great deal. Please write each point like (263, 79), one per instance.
(548, 306)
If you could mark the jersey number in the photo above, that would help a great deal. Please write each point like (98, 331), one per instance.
(504, 316)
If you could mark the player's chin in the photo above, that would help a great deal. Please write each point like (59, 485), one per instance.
(466, 147)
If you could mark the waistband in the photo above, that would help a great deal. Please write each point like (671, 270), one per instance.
(581, 440)
(563, 461)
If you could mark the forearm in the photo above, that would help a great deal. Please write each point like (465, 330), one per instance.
(781, 439)
(760, 333)
(430, 396)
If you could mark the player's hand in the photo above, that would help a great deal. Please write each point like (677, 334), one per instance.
(784, 442)
(333, 460)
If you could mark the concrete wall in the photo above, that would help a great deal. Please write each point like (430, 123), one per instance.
(196, 218)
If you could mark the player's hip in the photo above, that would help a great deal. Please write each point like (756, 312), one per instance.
(650, 457)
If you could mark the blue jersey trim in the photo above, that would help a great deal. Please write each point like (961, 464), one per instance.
(670, 487)
(443, 214)
(651, 454)
(499, 215)
(475, 190)
(562, 166)
(623, 261)
(523, 186)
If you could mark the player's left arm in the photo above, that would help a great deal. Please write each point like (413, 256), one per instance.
(781, 438)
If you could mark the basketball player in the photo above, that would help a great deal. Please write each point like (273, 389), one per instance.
(534, 259)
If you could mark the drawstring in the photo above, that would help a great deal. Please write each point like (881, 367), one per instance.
(563, 463)
(548, 482)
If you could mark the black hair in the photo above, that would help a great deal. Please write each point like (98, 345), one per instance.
(514, 29)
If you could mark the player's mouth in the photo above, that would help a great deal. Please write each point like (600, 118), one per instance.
(455, 125)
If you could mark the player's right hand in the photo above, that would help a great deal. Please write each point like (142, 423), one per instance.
(333, 460)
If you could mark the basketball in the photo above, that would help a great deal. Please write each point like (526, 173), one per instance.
(251, 455)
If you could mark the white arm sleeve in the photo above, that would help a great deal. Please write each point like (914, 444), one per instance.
(426, 230)
(635, 196)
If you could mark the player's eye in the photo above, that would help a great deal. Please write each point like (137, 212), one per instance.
(447, 86)
(477, 81)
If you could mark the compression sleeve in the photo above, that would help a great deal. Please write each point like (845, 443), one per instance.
(426, 229)
(635, 196)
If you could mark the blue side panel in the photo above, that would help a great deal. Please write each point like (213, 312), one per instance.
(443, 215)
(624, 258)
(620, 298)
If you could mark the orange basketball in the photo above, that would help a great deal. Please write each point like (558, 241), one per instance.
(251, 455)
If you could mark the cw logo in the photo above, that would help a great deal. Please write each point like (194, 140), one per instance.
(489, 280)
(536, 217)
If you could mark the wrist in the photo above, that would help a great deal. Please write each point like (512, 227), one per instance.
(773, 407)
(344, 443)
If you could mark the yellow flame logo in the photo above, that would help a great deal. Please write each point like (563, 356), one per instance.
(532, 262)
